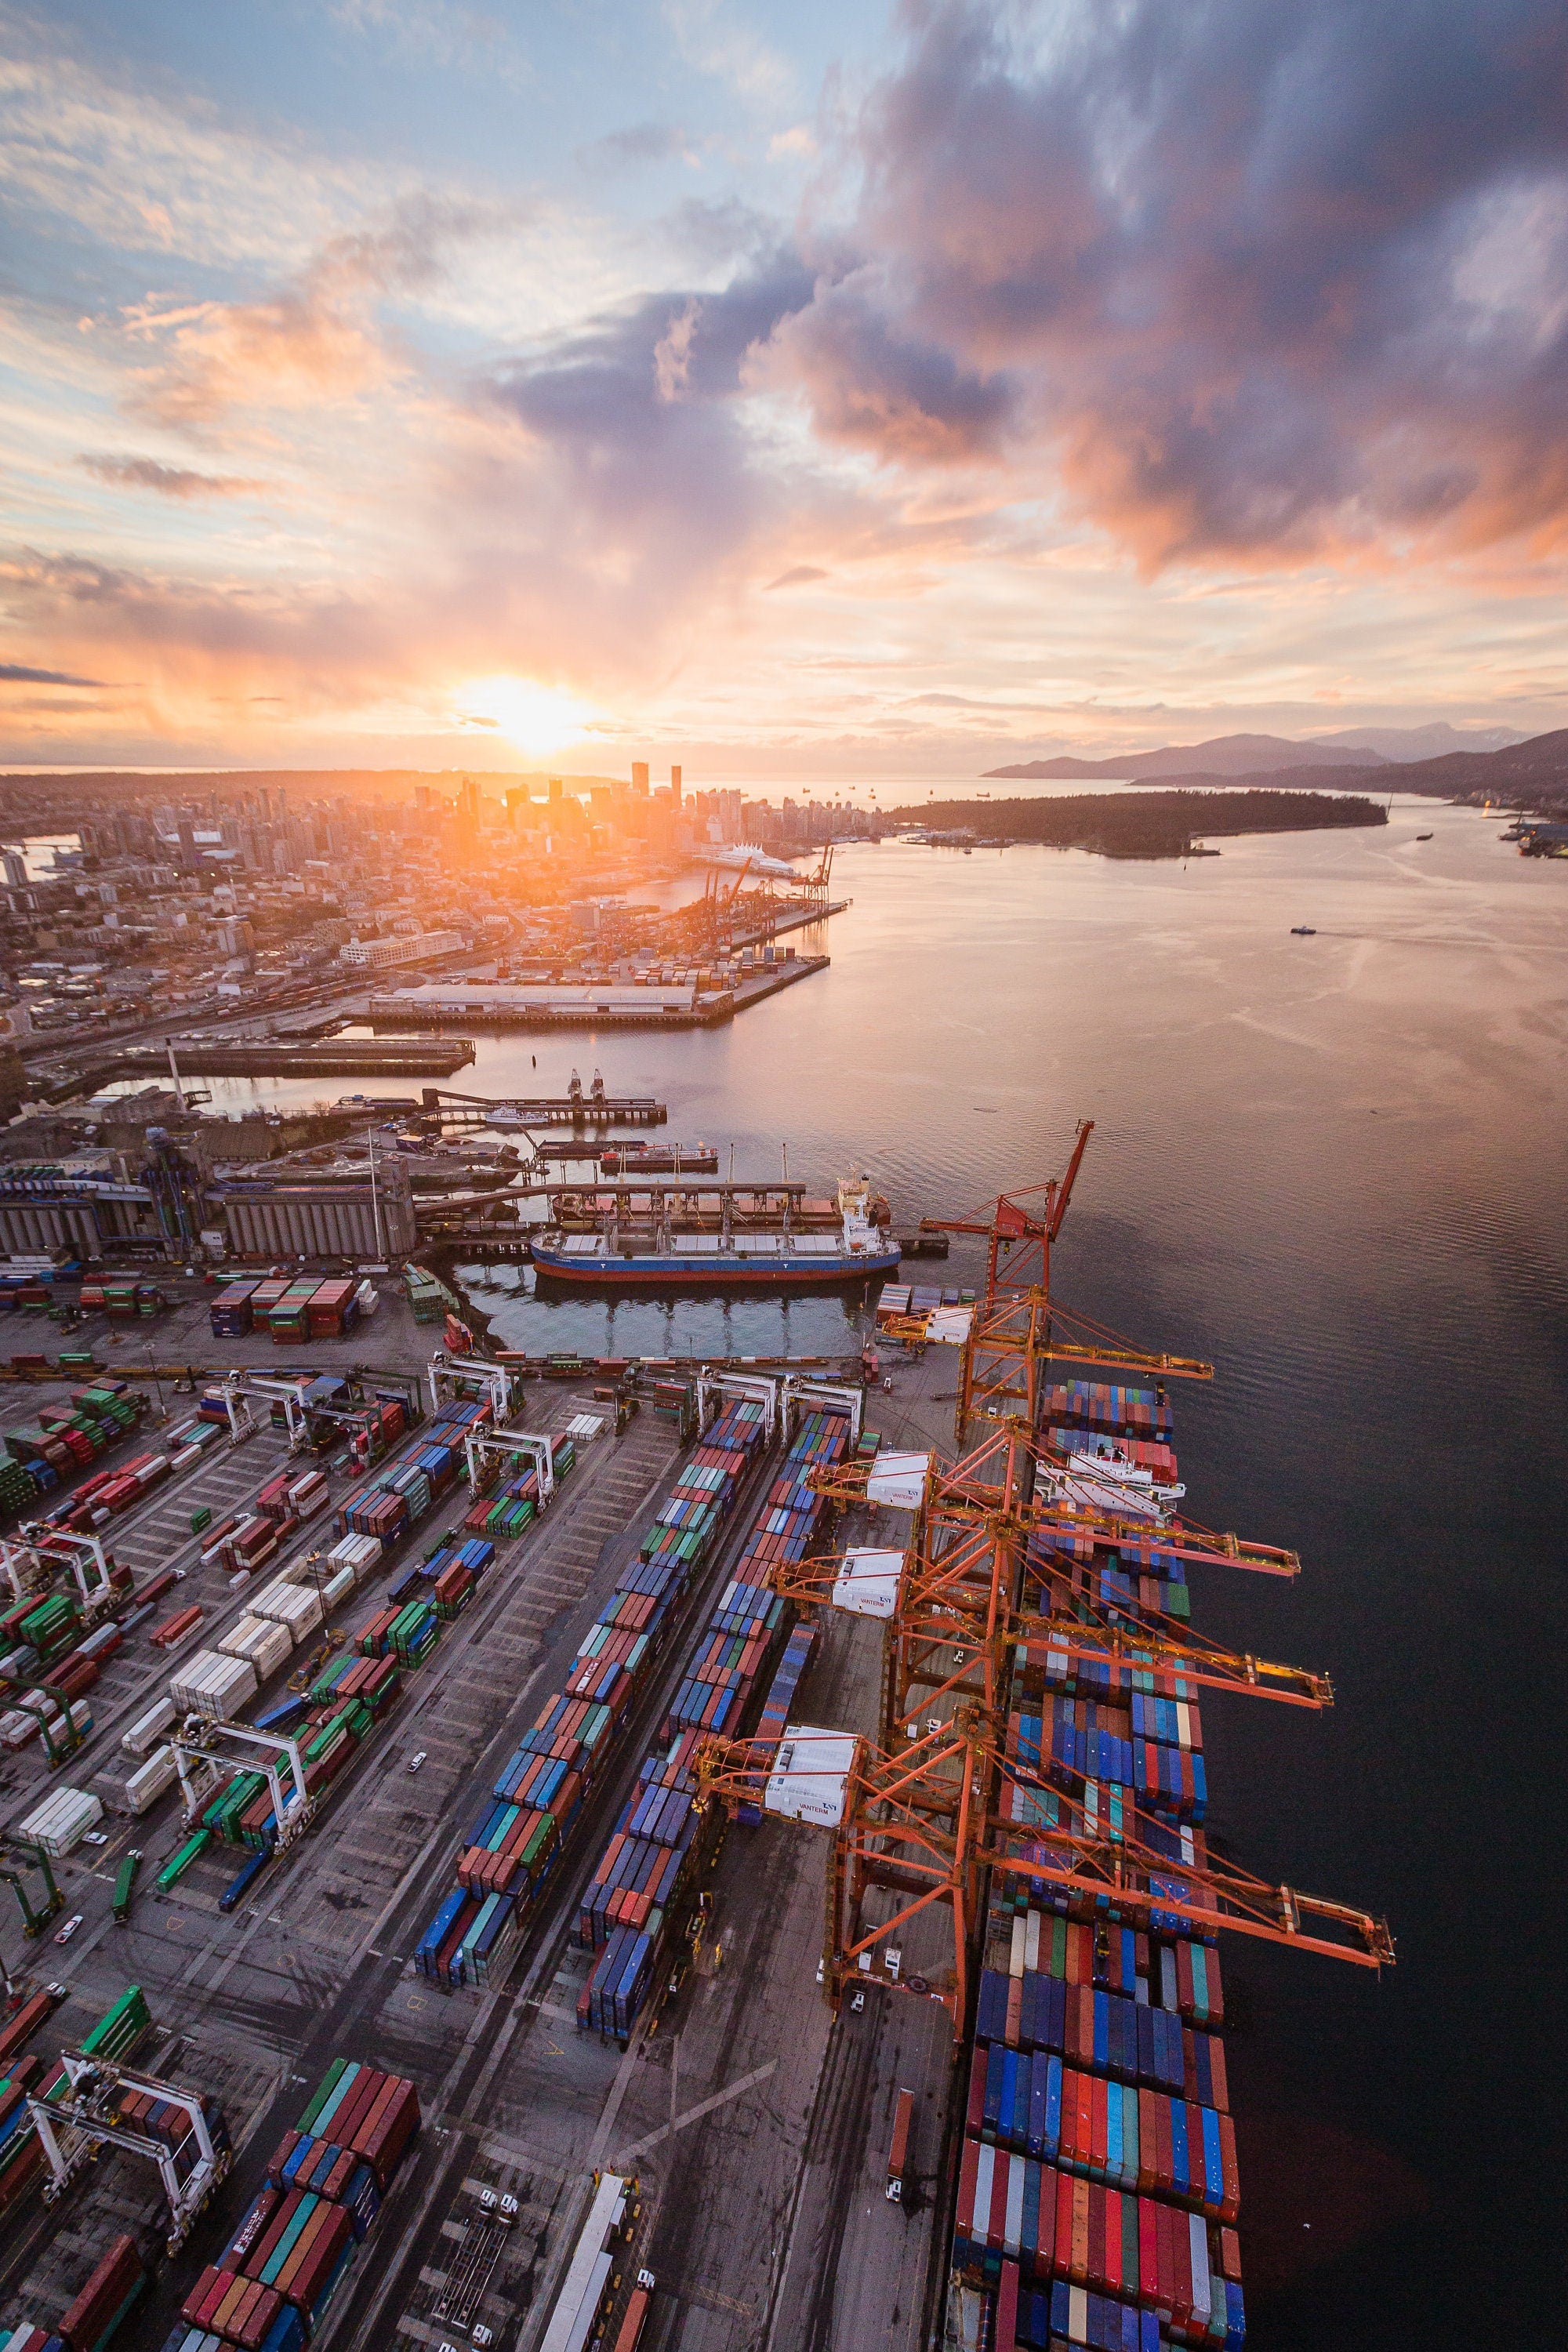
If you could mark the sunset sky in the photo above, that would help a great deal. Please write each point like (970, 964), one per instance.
(807, 389)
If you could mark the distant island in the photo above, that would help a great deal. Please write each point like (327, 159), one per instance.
(1139, 825)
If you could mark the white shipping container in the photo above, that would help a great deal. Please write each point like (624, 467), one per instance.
(213, 1686)
(267, 1646)
(298, 1606)
(17, 1729)
(146, 1728)
(359, 1552)
(274, 1651)
(63, 1819)
(340, 1586)
(147, 1784)
(240, 1640)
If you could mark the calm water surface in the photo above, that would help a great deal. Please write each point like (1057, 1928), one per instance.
(1336, 1167)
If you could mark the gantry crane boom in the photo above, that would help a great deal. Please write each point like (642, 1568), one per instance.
(1062, 1192)
(999, 1577)
(1095, 1639)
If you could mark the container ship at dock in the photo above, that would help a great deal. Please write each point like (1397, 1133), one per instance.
(668, 1241)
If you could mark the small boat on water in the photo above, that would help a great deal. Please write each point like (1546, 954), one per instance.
(1423, 836)
(1303, 931)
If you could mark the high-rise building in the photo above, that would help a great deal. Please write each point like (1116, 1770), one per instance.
(639, 777)
(675, 786)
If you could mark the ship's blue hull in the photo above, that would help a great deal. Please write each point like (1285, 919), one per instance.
(711, 1270)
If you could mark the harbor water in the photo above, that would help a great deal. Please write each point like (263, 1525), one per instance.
(1336, 1166)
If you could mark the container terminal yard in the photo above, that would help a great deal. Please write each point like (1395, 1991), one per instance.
(444, 1781)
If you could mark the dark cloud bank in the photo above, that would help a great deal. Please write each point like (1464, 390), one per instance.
(1257, 279)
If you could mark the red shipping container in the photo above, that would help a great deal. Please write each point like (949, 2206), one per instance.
(369, 2116)
(263, 2247)
(75, 1677)
(1147, 2249)
(173, 1628)
(200, 2296)
(311, 2263)
(117, 2275)
(384, 2144)
(356, 2104)
(296, 2262)
(20, 2029)
(974, 2119)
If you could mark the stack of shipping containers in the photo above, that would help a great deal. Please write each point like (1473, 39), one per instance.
(271, 2286)
(516, 1841)
(640, 1892)
(1097, 2193)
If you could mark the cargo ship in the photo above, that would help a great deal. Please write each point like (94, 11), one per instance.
(659, 1160)
(662, 1254)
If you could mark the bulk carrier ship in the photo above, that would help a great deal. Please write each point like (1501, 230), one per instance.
(670, 1246)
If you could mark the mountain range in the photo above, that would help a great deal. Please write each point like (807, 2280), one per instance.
(1265, 755)
(1531, 772)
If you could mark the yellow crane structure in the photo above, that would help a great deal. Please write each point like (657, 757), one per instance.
(997, 1580)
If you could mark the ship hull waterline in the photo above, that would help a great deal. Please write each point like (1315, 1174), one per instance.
(700, 1273)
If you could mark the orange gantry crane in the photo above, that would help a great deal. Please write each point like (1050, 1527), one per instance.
(1012, 1338)
(998, 1593)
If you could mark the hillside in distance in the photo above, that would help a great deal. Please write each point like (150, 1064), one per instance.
(1428, 743)
(1222, 755)
(1532, 774)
